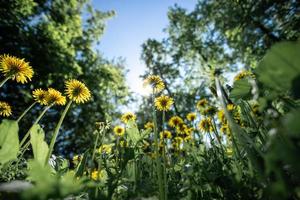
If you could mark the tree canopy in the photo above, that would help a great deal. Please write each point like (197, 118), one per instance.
(227, 35)
(58, 38)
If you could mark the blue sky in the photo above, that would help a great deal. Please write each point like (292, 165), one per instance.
(134, 23)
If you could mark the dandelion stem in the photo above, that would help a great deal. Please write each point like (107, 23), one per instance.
(56, 131)
(36, 121)
(4, 81)
(158, 164)
(26, 111)
(165, 159)
(216, 132)
(229, 118)
(96, 143)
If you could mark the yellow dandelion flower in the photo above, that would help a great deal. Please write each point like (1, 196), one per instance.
(177, 140)
(221, 116)
(119, 130)
(39, 96)
(202, 103)
(229, 152)
(123, 143)
(149, 126)
(175, 121)
(77, 91)
(16, 69)
(224, 128)
(243, 74)
(55, 97)
(205, 125)
(175, 146)
(5, 109)
(188, 138)
(76, 159)
(210, 111)
(189, 130)
(105, 148)
(127, 117)
(165, 134)
(191, 116)
(163, 103)
(98, 175)
(181, 128)
(155, 82)
(230, 107)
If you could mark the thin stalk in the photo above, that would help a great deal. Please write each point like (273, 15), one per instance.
(99, 171)
(249, 109)
(36, 121)
(158, 164)
(237, 149)
(210, 138)
(215, 132)
(96, 143)
(101, 141)
(218, 137)
(4, 81)
(26, 111)
(165, 160)
(135, 175)
(55, 134)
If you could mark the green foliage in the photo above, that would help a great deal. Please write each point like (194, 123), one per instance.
(9, 141)
(49, 185)
(249, 148)
(280, 66)
(39, 146)
(134, 135)
(58, 38)
(241, 90)
(133, 132)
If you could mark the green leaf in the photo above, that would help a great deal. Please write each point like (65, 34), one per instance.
(280, 66)
(43, 178)
(39, 146)
(133, 132)
(291, 123)
(48, 185)
(82, 165)
(69, 184)
(241, 90)
(9, 141)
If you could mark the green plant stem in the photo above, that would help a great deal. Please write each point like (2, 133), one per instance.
(237, 148)
(56, 131)
(210, 138)
(158, 164)
(216, 132)
(260, 134)
(4, 81)
(101, 141)
(26, 111)
(229, 118)
(96, 143)
(36, 121)
(165, 160)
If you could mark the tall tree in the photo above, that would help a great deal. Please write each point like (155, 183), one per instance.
(58, 38)
(224, 34)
